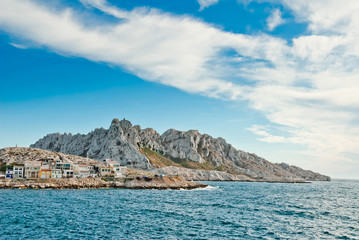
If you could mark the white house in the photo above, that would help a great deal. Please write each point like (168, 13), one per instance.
(32, 169)
(9, 173)
(67, 173)
(84, 171)
(116, 169)
(56, 173)
(120, 171)
(18, 171)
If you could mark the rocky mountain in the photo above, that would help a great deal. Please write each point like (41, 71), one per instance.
(148, 150)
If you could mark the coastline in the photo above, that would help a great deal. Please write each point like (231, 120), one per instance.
(260, 181)
(163, 183)
(160, 183)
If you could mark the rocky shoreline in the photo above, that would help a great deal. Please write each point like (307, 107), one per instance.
(164, 182)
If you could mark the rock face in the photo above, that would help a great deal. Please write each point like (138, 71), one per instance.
(122, 142)
(305, 174)
(202, 175)
(117, 143)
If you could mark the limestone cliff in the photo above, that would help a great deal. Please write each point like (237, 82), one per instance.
(146, 149)
(117, 143)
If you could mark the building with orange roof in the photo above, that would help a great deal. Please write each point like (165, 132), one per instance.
(45, 173)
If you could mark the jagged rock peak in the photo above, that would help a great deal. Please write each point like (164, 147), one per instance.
(125, 124)
(115, 121)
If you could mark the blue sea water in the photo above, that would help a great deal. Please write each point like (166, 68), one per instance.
(228, 210)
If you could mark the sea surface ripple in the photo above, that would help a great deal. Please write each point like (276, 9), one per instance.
(229, 210)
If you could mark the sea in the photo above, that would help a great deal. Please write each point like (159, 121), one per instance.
(225, 210)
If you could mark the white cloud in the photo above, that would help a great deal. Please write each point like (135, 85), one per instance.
(103, 6)
(155, 46)
(310, 87)
(266, 136)
(206, 3)
(275, 19)
(327, 16)
(21, 46)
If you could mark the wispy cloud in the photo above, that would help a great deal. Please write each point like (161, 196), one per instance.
(317, 96)
(21, 46)
(206, 3)
(275, 19)
(266, 136)
(310, 87)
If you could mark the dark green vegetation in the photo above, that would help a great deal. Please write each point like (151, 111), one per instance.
(3, 167)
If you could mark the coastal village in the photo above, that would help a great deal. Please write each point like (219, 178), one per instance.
(56, 169)
(30, 168)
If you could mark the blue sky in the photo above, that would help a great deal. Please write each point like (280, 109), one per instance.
(276, 78)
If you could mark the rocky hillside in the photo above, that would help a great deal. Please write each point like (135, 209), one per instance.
(18, 155)
(146, 149)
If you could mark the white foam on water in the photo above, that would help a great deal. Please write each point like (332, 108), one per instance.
(208, 188)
